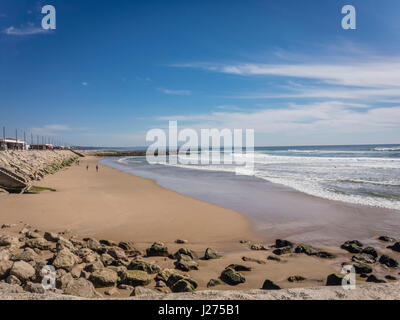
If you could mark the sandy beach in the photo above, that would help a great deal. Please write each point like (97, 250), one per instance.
(117, 206)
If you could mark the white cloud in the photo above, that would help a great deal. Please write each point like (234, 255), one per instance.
(84, 84)
(175, 92)
(24, 31)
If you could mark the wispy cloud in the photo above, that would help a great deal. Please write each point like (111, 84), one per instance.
(84, 84)
(50, 130)
(175, 92)
(30, 29)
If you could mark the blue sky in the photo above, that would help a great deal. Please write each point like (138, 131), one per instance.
(114, 69)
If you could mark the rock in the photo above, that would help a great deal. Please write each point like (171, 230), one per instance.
(92, 244)
(135, 278)
(183, 252)
(304, 248)
(27, 255)
(274, 258)
(32, 235)
(103, 278)
(232, 277)
(279, 243)
(84, 252)
(325, 255)
(141, 291)
(81, 288)
(63, 280)
(129, 248)
(22, 270)
(118, 269)
(388, 261)
(296, 278)
(395, 247)
(13, 280)
(182, 286)
(186, 264)
(65, 259)
(334, 279)
(164, 275)
(253, 260)
(390, 277)
(111, 292)
(181, 241)
(38, 243)
(362, 268)
(238, 267)
(34, 288)
(92, 267)
(269, 285)
(125, 287)
(371, 251)
(108, 243)
(106, 259)
(117, 253)
(5, 267)
(282, 250)
(373, 278)
(351, 247)
(144, 266)
(364, 258)
(63, 243)
(4, 254)
(213, 283)
(157, 249)
(175, 277)
(6, 288)
(258, 246)
(386, 239)
(7, 240)
(211, 254)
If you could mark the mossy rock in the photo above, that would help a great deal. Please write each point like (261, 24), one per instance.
(371, 251)
(274, 258)
(157, 249)
(351, 247)
(104, 278)
(175, 277)
(144, 266)
(362, 268)
(395, 247)
(270, 285)
(279, 243)
(239, 267)
(182, 286)
(135, 278)
(183, 252)
(325, 255)
(305, 248)
(232, 277)
(187, 264)
(334, 279)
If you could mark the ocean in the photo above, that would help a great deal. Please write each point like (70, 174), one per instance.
(359, 174)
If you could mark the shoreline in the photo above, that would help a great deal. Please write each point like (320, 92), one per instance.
(276, 211)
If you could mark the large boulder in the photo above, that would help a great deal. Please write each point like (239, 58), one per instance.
(179, 283)
(117, 253)
(388, 261)
(144, 266)
(363, 258)
(65, 259)
(104, 278)
(232, 277)
(135, 278)
(211, 254)
(183, 252)
(186, 264)
(129, 248)
(22, 270)
(81, 288)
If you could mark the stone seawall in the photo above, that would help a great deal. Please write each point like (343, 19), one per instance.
(18, 169)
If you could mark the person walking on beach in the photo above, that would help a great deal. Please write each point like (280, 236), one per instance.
(87, 167)
(97, 168)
